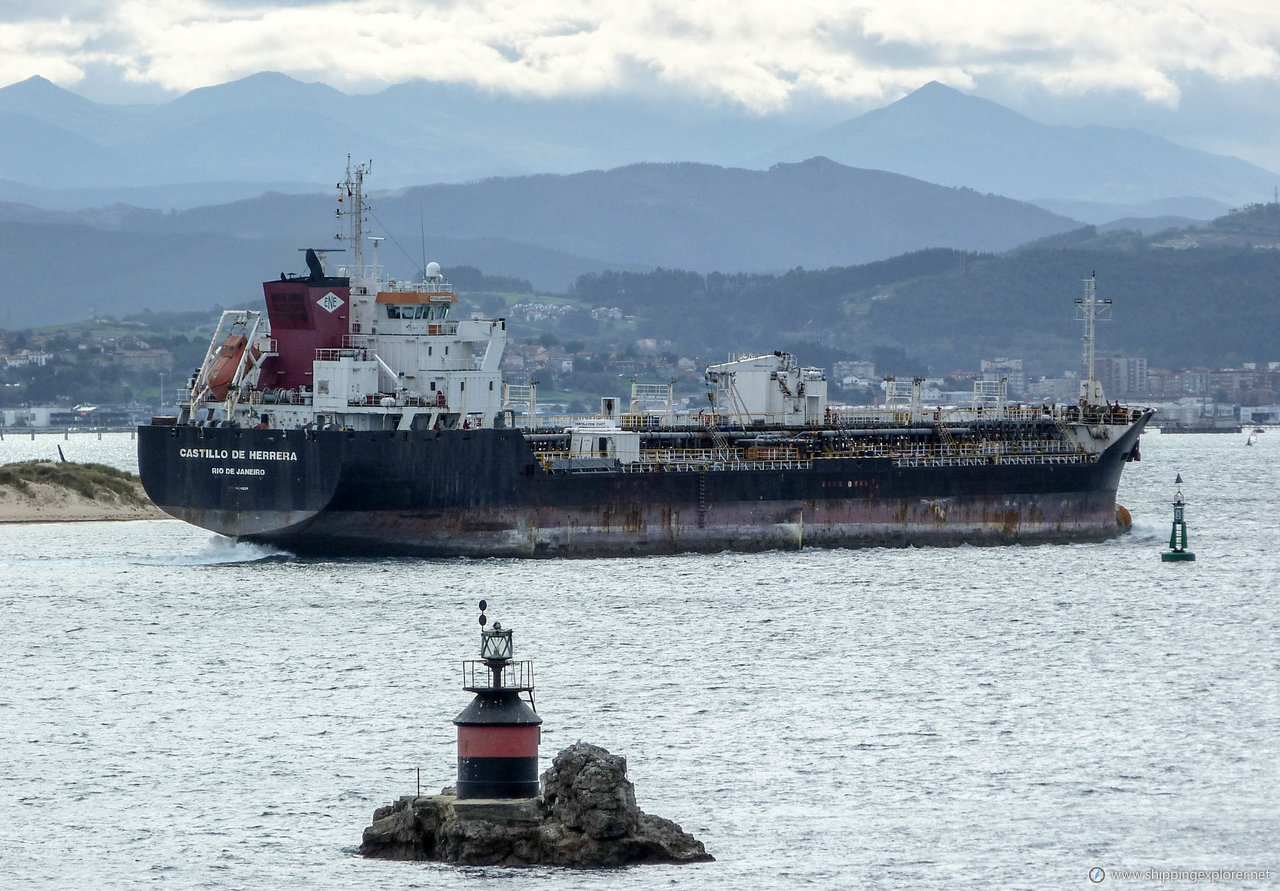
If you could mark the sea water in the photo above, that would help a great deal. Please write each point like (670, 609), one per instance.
(118, 450)
(181, 711)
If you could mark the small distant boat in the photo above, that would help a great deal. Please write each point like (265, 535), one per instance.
(1253, 436)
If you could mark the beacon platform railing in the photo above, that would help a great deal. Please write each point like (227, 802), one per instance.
(516, 675)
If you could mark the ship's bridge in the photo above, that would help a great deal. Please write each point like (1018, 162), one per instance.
(429, 300)
(414, 303)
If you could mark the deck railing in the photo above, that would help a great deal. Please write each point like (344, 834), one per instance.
(960, 453)
(854, 417)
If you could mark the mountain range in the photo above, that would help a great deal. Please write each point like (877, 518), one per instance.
(942, 135)
(268, 132)
(548, 229)
(192, 203)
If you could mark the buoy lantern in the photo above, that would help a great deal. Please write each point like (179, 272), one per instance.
(499, 732)
(1178, 534)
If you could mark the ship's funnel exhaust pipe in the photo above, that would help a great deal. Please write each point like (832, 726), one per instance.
(314, 264)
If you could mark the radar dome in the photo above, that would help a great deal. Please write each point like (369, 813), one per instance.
(433, 270)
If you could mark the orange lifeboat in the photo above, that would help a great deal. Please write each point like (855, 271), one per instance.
(225, 363)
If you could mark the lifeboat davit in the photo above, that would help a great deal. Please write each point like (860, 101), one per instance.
(226, 362)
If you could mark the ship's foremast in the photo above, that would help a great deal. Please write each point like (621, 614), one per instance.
(1089, 310)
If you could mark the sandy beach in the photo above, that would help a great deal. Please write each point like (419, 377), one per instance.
(44, 503)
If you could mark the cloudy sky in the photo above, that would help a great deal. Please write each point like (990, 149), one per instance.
(1202, 72)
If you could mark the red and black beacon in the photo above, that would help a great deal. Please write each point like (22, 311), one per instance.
(498, 733)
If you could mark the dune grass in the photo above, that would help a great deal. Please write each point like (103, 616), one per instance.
(91, 481)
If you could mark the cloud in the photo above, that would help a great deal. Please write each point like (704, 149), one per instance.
(758, 54)
(47, 48)
(1086, 45)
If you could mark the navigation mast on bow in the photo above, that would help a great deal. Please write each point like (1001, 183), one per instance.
(1089, 310)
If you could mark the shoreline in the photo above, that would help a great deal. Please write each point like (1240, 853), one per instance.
(46, 503)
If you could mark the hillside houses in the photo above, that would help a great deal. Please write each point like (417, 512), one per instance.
(25, 358)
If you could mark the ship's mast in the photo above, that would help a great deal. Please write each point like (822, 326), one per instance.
(1089, 310)
(351, 197)
(351, 205)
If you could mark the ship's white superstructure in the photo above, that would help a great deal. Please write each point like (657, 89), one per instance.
(769, 389)
(402, 363)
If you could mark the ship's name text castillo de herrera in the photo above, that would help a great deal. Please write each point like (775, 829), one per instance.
(239, 454)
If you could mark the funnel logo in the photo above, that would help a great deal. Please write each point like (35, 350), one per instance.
(329, 302)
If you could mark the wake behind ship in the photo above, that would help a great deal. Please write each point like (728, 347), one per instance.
(359, 417)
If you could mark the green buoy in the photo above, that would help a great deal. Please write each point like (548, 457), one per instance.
(1178, 534)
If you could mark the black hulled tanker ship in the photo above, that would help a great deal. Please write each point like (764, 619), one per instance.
(359, 417)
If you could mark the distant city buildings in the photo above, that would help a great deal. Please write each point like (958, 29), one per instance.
(1052, 390)
(85, 417)
(537, 312)
(856, 374)
(143, 360)
(1252, 390)
(1010, 370)
(1123, 376)
(1250, 385)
